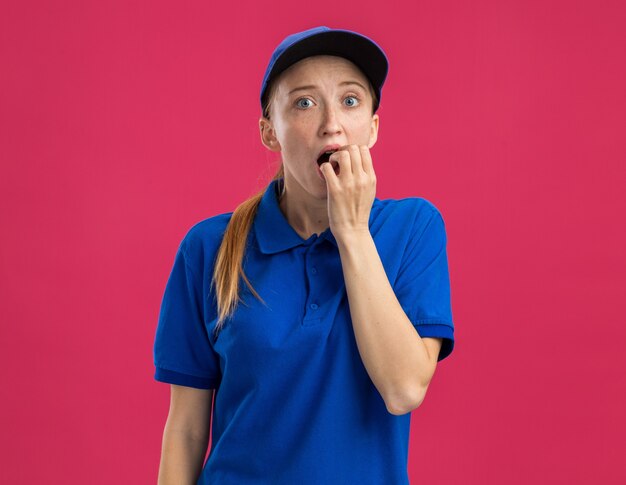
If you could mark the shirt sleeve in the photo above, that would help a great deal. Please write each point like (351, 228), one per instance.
(183, 351)
(423, 283)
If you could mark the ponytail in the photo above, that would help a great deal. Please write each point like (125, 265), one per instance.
(228, 264)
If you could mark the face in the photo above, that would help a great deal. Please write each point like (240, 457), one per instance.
(319, 101)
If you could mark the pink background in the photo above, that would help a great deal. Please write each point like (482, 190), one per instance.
(124, 123)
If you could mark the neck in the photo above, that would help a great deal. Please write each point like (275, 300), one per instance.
(306, 217)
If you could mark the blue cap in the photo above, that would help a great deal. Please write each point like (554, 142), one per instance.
(361, 50)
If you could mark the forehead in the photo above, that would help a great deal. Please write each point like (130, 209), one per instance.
(317, 67)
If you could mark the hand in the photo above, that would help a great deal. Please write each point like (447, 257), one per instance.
(351, 193)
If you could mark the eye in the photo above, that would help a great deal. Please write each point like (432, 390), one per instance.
(355, 102)
(299, 105)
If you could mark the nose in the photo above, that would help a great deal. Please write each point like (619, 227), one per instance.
(330, 123)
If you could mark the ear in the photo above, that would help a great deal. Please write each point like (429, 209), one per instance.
(268, 135)
(373, 131)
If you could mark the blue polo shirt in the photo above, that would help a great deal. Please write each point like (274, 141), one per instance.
(293, 402)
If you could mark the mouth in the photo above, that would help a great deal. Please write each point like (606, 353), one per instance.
(325, 156)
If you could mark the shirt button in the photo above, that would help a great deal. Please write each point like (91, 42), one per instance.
(313, 270)
(313, 306)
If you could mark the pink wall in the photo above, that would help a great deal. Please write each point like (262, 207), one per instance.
(121, 124)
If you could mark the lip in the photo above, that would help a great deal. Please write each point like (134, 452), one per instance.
(327, 148)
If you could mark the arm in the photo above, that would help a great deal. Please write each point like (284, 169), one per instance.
(399, 362)
(186, 435)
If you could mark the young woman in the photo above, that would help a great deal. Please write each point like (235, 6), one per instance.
(315, 313)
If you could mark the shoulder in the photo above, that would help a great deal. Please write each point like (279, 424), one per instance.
(208, 230)
(417, 211)
(202, 239)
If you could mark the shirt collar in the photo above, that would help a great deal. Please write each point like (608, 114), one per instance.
(273, 231)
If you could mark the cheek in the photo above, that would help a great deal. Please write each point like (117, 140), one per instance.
(363, 131)
(295, 140)
(298, 130)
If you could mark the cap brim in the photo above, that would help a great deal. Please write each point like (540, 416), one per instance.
(360, 50)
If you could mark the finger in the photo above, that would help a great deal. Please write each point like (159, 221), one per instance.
(366, 159)
(329, 173)
(342, 158)
(355, 156)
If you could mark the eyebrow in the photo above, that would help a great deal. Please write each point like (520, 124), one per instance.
(311, 86)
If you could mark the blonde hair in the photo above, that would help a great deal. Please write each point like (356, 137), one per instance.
(228, 263)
